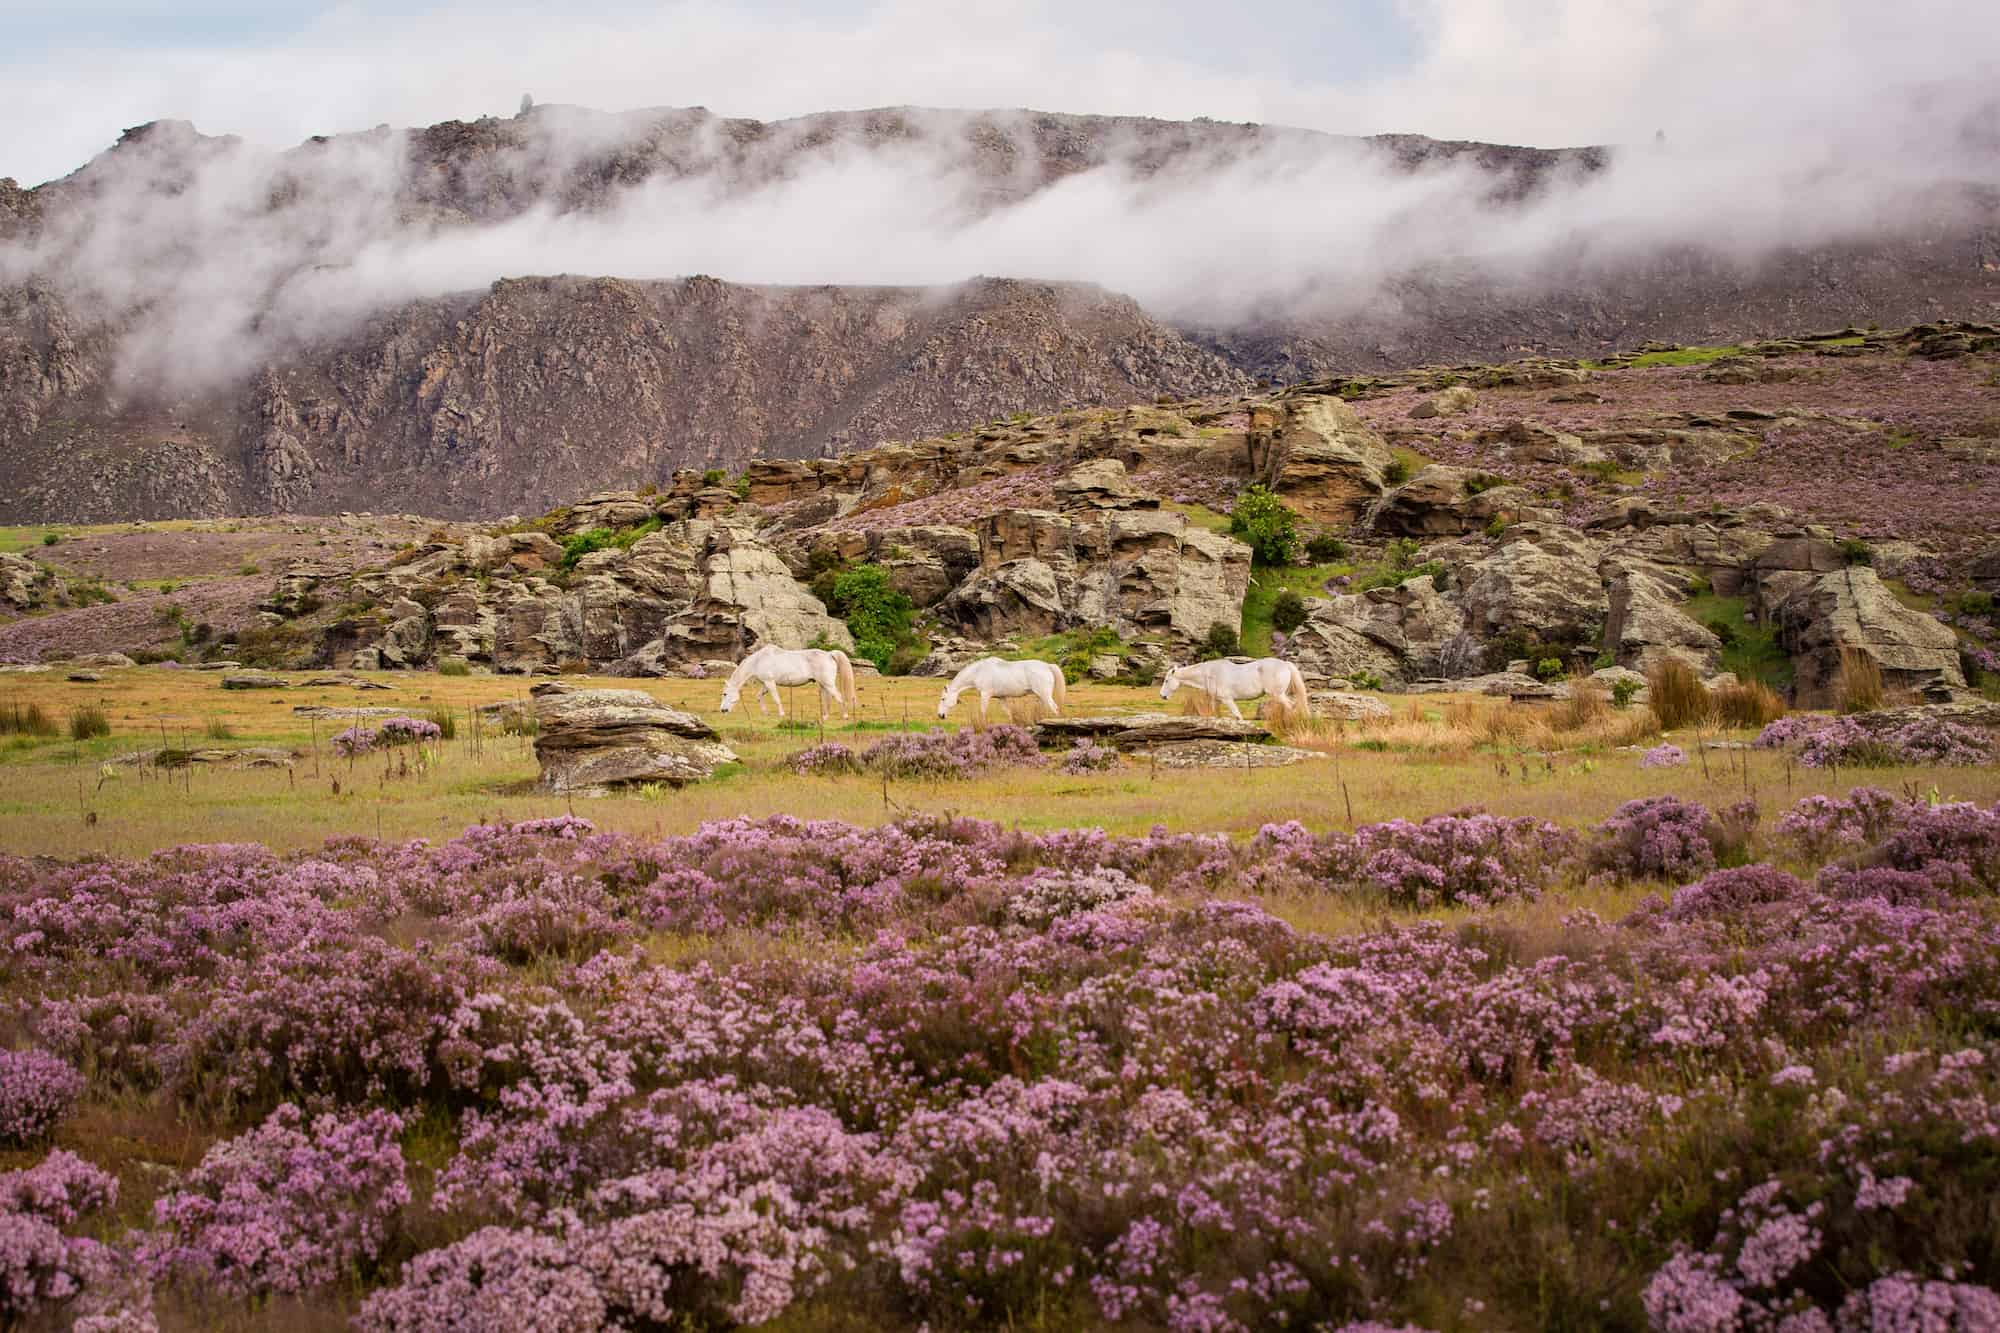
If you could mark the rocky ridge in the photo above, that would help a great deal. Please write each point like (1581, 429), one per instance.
(1569, 543)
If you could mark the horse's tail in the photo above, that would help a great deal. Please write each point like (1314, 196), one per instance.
(1300, 699)
(844, 678)
(1059, 688)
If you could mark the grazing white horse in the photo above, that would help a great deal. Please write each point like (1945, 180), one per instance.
(774, 666)
(997, 678)
(1230, 681)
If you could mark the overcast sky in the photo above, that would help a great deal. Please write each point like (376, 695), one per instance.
(1550, 72)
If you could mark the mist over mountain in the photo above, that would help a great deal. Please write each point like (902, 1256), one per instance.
(198, 325)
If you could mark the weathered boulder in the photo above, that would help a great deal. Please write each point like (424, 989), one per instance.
(1645, 625)
(1020, 597)
(104, 661)
(26, 585)
(1348, 706)
(594, 739)
(1542, 581)
(1100, 483)
(1326, 462)
(85, 676)
(1226, 754)
(748, 597)
(1396, 634)
(608, 509)
(1850, 610)
(1455, 401)
(1789, 564)
(1443, 501)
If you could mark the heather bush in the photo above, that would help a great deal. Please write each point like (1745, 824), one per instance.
(42, 1269)
(1844, 742)
(36, 1091)
(1820, 827)
(1087, 756)
(940, 755)
(1659, 837)
(824, 760)
(1956, 842)
(289, 1206)
(1664, 756)
(1732, 891)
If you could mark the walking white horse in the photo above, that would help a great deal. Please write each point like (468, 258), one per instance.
(1229, 681)
(997, 678)
(774, 666)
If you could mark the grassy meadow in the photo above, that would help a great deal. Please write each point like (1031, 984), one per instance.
(63, 797)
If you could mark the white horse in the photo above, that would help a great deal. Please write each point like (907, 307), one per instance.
(1230, 681)
(997, 678)
(775, 666)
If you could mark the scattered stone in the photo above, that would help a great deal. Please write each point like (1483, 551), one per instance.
(1226, 754)
(591, 740)
(254, 680)
(249, 756)
(1132, 731)
(340, 680)
(86, 677)
(1455, 401)
(218, 666)
(105, 661)
(1347, 706)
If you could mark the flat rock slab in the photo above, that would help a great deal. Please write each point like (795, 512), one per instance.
(254, 680)
(1227, 754)
(338, 713)
(86, 677)
(254, 756)
(1130, 731)
(592, 740)
(346, 682)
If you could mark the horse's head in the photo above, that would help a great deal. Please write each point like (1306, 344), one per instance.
(732, 690)
(1171, 682)
(949, 699)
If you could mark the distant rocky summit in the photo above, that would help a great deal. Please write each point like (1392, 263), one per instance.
(266, 353)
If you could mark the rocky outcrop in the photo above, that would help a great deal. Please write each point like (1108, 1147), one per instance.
(1849, 610)
(26, 586)
(1325, 463)
(1542, 583)
(1443, 501)
(1394, 634)
(591, 740)
(1645, 626)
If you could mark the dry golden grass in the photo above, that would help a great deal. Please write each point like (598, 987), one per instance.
(1748, 704)
(1677, 696)
(1858, 686)
(55, 800)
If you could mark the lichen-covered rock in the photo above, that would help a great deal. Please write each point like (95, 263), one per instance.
(1327, 464)
(1443, 501)
(596, 739)
(1542, 581)
(1396, 634)
(1644, 624)
(1850, 610)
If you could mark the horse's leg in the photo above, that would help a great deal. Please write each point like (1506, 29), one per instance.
(1048, 698)
(771, 687)
(1229, 702)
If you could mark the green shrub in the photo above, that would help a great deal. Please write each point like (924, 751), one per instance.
(1723, 631)
(87, 722)
(51, 538)
(1480, 482)
(1220, 641)
(1365, 680)
(453, 666)
(1288, 612)
(1549, 668)
(1326, 549)
(714, 476)
(741, 486)
(444, 720)
(877, 615)
(1856, 552)
(1497, 526)
(1267, 526)
(1624, 690)
(1397, 472)
(1977, 602)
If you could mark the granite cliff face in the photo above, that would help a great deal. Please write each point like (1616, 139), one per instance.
(189, 326)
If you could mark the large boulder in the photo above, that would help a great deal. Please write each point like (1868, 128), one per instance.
(1443, 501)
(1645, 625)
(25, 585)
(1850, 610)
(591, 740)
(1542, 582)
(1020, 597)
(1396, 634)
(1326, 462)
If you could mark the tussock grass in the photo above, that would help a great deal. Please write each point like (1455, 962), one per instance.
(1678, 698)
(87, 722)
(25, 719)
(216, 729)
(1858, 686)
(1750, 703)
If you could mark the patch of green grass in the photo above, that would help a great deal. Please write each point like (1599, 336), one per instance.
(1199, 515)
(1916, 601)
(1266, 582)
(1679, 356)
(1750, 650)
